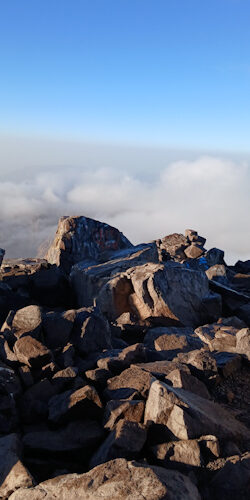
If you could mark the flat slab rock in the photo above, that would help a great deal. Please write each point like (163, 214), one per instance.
(116, 480)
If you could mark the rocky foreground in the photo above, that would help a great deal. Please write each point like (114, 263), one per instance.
(124, 370)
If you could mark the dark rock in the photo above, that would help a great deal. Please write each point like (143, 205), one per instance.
(57, 328)
(83, 403)
(125, 441)
(2, 252)
(133, 378)
(232, 482)
(91, 332)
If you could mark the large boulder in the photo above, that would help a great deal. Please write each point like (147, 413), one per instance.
(156, 292)
(80, 238)
(117, 480)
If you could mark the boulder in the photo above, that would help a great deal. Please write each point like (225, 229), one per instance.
(157, 292)
(116, 410)
(125, 441)
(13, 474)
(133, 378)
(194, 251)
(91, 331)
(57, 327)
(82, 239)
(27, 321)
(72, 405)
(188, 416)
(31, 352)
(118, 480)
(243, 342)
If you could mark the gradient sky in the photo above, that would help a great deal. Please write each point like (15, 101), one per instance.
(174, 73)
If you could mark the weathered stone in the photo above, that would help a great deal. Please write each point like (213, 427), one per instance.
(31, 352)
(243, 342)
(180, 378)
(91, 332)
(125, 441)
(98, 377)
(66, 379)
(227, 363)
(83, 403)
(57, 328)
(194, 251)
(80, 238)
(116, 410)
(188, 415)
(133, 378)
(218, 273)
(173, 246)
(214, 256)
(27, 321)
(116, 480)
(160, 292)
(201, 363)
(87, 281)
(232, 481)
(132, 354)
(13, 474)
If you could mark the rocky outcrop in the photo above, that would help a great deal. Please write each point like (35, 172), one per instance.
(82, 239)
(137, 353)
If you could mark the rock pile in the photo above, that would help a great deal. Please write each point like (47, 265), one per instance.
(124, 370)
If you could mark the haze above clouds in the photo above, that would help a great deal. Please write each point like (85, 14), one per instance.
(118, 185)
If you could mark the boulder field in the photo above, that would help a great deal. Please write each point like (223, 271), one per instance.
(124, 370)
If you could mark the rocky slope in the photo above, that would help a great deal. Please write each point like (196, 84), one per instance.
(124, 370)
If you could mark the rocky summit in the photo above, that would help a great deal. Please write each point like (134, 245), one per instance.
(124, 370)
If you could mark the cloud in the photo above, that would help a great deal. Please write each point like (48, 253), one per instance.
(210, 194)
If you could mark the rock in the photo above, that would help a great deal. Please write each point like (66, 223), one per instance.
(116, 410)
(91, 332)
(118, 480)
(232, 482)
(160, 292)
(188, 416)
(194, 251)
(242, 267)
(135, 353)
(243, 342)
(98, 377)
(180, 378)
(72, 405)
(31, 352)
(244, 313)
(214, 256)
(125, 441)
(9, 381)
(13, 474)
(64, 379)
(133, 378)
(173, 246)
(80, 238)
(218, 273)
(87, 280)
(2, 252)
(171, 339)
(82, 435)
(200, 362)
(218, 337)
(6, 354)
(27, 321)
(57, 328)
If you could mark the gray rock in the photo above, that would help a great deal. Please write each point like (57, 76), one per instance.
(117, 480)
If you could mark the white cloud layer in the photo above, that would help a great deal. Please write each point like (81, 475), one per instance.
(209, 194)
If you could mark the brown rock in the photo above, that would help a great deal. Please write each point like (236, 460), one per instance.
(13, 474)
(116, 480)
(194, 251)
(83, 403)
(31, 352)
(116, 410)
(27, 321)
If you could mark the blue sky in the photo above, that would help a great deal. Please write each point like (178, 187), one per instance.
(174, 73)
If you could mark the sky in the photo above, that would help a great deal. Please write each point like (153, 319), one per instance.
(135, 112)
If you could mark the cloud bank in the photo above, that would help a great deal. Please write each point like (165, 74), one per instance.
(210, 194)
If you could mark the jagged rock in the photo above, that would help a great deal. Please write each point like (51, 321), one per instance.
(83, 403)
(13, 474)
(91, 331)
(133, 378)
(156, 291)
(80, 238)
(116, 410)
(57, 327)
(242, 267)
(218, 273)
(173, 246)
(227, 363)
(218, 337)
(64, 379)
(27, 321)
(31, 352)
(194, 251)
(243, 342)
(201, 363)
(187, 415)
(125, 441)
(184, 380)
(117, 479)
(214, 256)
(98, 377)
(82, 435)
(132, 354)
(87, 281)
(171, 340)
